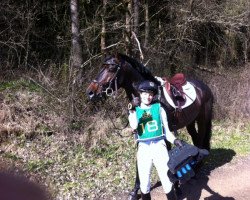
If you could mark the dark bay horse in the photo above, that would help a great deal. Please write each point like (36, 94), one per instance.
(121, 71)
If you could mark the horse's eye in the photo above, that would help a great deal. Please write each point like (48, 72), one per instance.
(105, 66)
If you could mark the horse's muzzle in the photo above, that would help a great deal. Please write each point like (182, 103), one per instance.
(91, 95)
(94, 97)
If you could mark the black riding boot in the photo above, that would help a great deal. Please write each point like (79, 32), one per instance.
(174, 193)
(133, 194)
(145, 196)
(171, 195)
(177, 189)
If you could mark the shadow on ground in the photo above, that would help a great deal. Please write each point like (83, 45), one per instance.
(217, 158)
(17, 187)
(192, 189)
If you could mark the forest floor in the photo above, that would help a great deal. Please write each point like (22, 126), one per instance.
(230, 181)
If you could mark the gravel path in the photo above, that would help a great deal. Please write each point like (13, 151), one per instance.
(230, 181)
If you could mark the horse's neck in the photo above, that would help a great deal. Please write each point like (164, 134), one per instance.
(131, 91)
(131, 78)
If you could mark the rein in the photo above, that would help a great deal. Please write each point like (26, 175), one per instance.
(109, 91)
(115, 127)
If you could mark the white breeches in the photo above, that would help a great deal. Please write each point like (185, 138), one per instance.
(154, 152)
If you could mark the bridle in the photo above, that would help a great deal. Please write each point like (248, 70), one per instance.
(109, 91)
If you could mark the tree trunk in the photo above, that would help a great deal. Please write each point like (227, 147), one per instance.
(128, 28)
(103, 32)
(136, 27)
(136, 17)
(146, 24)
(76, 49)
(76, 57)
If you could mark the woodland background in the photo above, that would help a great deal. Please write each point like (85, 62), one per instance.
(66, 40)
(51, 50)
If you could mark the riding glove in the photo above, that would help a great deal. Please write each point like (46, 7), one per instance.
(135, 102)
(177, 143)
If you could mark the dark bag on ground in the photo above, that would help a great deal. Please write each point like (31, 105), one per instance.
(182, 161)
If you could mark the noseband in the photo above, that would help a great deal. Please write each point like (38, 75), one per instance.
(109, 90)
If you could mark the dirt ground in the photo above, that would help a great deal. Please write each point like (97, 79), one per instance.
(229, 181)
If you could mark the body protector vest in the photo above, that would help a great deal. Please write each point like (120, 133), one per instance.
(149, 123)
(182, 161)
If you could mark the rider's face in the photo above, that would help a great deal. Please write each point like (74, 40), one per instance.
(147, 97)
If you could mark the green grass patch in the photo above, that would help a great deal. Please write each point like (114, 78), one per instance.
(19, 84)
(11, 156)
(231, 136)
(38, 165)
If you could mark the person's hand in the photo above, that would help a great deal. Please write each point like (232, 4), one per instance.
(178, 143)
(135, 102)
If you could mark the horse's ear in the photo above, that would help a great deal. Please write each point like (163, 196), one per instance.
(136, 85)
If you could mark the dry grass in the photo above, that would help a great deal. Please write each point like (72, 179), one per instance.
(231, 93)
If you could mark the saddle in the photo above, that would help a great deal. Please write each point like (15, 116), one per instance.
(174, 88)
(182, 161)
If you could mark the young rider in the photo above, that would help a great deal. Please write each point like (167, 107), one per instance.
(149, 120)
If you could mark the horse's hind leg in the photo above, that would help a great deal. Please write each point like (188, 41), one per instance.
(208, 124)
(205, 126)
(206, 134)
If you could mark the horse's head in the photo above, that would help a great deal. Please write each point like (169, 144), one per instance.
(118, 71)
(108, 80)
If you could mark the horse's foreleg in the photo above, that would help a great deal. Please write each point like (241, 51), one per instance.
(193, 133)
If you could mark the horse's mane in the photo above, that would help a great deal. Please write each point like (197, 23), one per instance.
(144, 71)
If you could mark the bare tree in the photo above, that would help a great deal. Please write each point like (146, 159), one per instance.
(76, 55)
(136, 17)
(128, 26)
(136, 25)
(146, 24)
(103, 31)
(76, 50)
